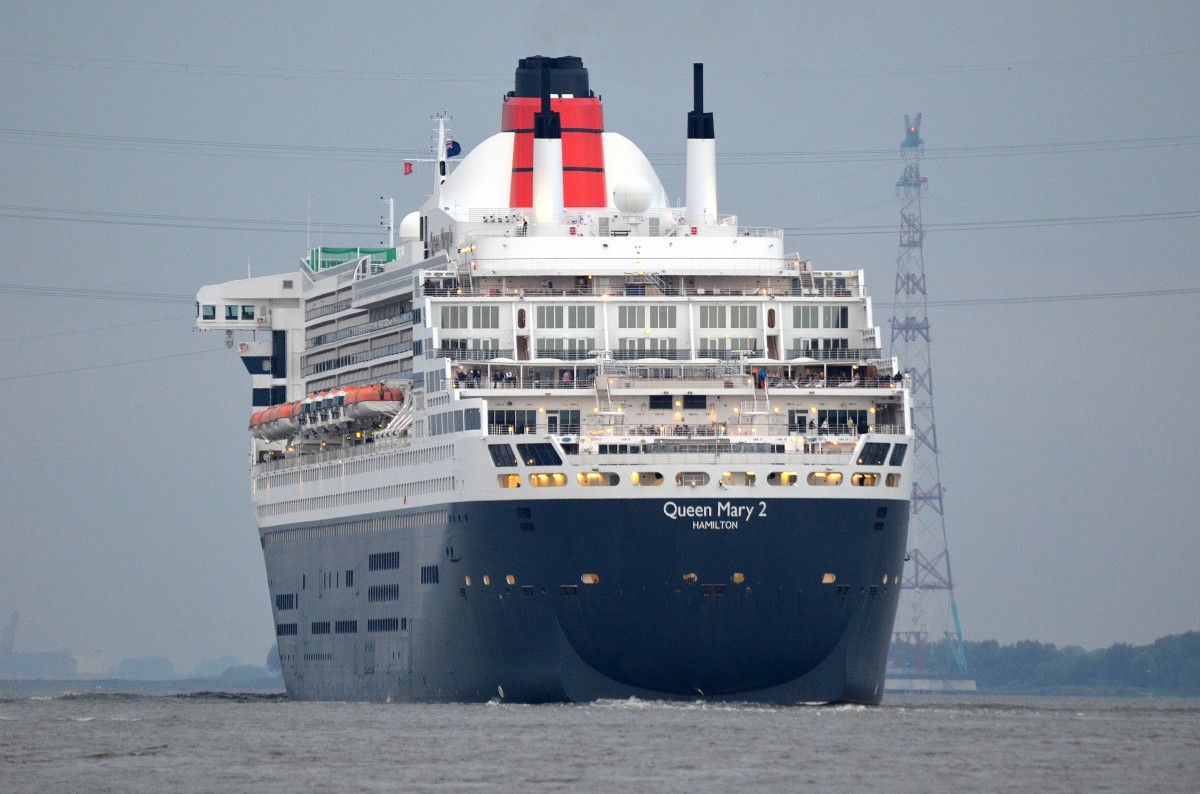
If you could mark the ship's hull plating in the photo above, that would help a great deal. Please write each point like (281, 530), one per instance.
(780, 600)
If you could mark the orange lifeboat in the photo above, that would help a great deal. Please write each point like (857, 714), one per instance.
(275, 423)
(370, 402)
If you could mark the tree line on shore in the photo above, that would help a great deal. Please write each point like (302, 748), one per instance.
(1168, 666)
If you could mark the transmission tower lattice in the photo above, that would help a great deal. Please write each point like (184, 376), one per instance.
(927, 607)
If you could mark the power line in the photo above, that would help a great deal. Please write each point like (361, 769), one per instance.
(94, 294)
(107, 366)
(441, 75)
(1085, 296)
(389, 155)
(971, 226)
(88, 330)
(154, 297)
(179, 221)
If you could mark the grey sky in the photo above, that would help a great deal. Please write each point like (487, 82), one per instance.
(124, 511)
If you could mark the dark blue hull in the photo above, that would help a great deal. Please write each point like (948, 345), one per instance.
(779, 600)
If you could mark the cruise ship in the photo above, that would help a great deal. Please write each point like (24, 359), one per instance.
(560, 440)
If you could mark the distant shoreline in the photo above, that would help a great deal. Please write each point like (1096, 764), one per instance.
(264, 684)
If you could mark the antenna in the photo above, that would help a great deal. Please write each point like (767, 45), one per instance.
(391, 220)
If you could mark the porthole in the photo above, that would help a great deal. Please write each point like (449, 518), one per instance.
(690, 578)
(590, 578)
(510, 579)
(825, 478)
(646, 478)
(829, 578)
(691, 478)
(738, 578)
(545, 480)
(487, 580)
(597, 478)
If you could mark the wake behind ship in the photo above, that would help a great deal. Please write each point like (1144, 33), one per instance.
(563, 441)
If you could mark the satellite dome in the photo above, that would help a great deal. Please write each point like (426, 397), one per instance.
(410, 227)
(632, 194)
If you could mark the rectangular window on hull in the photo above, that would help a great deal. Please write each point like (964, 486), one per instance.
(873, 454)
(383, 624)
(384, 561)
(502, 455)
(539, 454)
(321, 627)
(383, 592)
(285, 629)
(345, 627)
(429, 574)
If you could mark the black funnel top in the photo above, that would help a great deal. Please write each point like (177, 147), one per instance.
(566, 76)
(700, 124)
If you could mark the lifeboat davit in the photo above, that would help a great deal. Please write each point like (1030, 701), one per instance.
(328, 412)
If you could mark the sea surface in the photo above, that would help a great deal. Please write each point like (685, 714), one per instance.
(88, 740)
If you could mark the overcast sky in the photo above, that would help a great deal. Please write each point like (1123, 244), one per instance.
(155, 147)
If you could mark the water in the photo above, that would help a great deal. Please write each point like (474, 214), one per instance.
(99, 741)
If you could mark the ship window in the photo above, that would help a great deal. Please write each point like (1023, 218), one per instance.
(539, 454)
(737, 478)
(835, 316)
(661, 401)
(285, 601)
(695, 402)
(384, 561)
(512, 422)
(691, 478)
(510, 579)
(829, 578)
(646, 478)
(825, 478)
(320, 627)
(383, 592)
(873, 454)
(509, 480)
(804, 316)
(590, 578)
(285, 629)
(597, 478)
(350, 578)
(555, 480)
(345, 627)
(893, 480)
(383, 624)
(502, 455)
(231, 312)
(783, 478)
(864, 478)
(898, 455)
(247, 312)
(429, 574)
(210, 312)
(738, 578)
